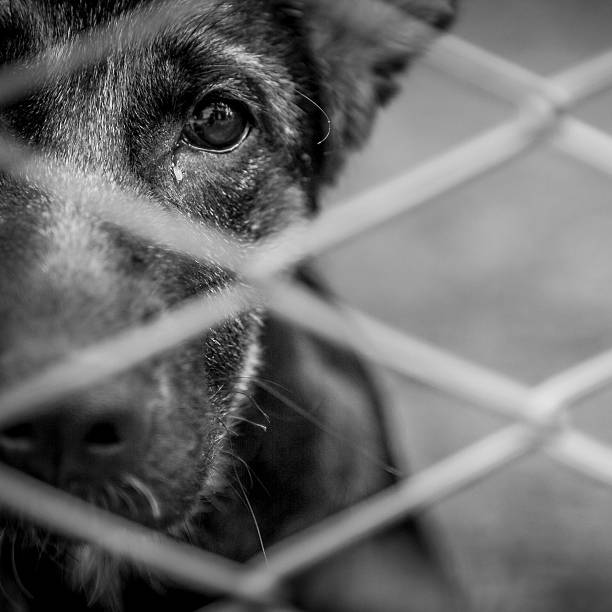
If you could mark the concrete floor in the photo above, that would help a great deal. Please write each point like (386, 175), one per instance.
(513, 271)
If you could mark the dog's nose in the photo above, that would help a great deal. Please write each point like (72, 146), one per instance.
(438, 13)
(76, 445)
(444, 19)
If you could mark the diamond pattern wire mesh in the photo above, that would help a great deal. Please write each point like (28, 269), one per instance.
(539, 414)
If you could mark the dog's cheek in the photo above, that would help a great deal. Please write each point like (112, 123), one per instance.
(97, 574)
(226, 350)
(250, 193)
(201, 389)
(183, 433)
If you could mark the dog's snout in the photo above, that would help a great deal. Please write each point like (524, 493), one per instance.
(104, 437)
(76, 445)
(19, 438)
(444, 19)
(438, 13)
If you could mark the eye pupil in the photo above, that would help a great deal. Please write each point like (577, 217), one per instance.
(217, 125)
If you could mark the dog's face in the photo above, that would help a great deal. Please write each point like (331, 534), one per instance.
(220, 116)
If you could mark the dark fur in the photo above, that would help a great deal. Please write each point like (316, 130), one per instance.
(68, 279)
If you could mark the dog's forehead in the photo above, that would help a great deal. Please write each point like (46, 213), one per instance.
(173, 47)
(78, 14)
(28, 27)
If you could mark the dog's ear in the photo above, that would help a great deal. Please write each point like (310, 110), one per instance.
(360, 47)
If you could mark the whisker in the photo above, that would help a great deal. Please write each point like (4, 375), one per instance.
(235, 417)
(3, 591)
(247, 502)
(251, 399)
(230, 453)
(252, 475)
(216, 392)
(20, 584)
(233, 455)
(329, 123)
(268, 387)
(98, 499)
(188, 531)
(131, 507)
(145, 491)
(54, 551)
(6, 596)
(42, 546)
(271, 381)
(112, 495)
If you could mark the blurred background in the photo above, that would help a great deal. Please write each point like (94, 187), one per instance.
(513, 271)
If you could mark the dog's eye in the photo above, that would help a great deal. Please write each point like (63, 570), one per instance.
(217, 124)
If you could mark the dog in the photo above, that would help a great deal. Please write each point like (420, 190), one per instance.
(235, 114)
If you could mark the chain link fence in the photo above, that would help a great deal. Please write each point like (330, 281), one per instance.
(539, 417)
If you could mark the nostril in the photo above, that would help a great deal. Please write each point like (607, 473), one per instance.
(19, 437)
(445, 14)
(444, 20)
(17, 432)
(102, 437)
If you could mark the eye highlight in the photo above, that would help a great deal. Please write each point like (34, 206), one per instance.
(217, 124)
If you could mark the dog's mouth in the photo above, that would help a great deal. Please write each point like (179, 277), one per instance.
(91, 571)
(127, 496)
(96, 574)
(97, 469)
(156, 471)
(151, 446)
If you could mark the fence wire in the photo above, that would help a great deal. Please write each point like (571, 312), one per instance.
(539, 415)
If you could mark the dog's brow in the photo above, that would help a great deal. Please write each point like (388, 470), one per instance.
(10, 13)
(137, 27)
(244, 58)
